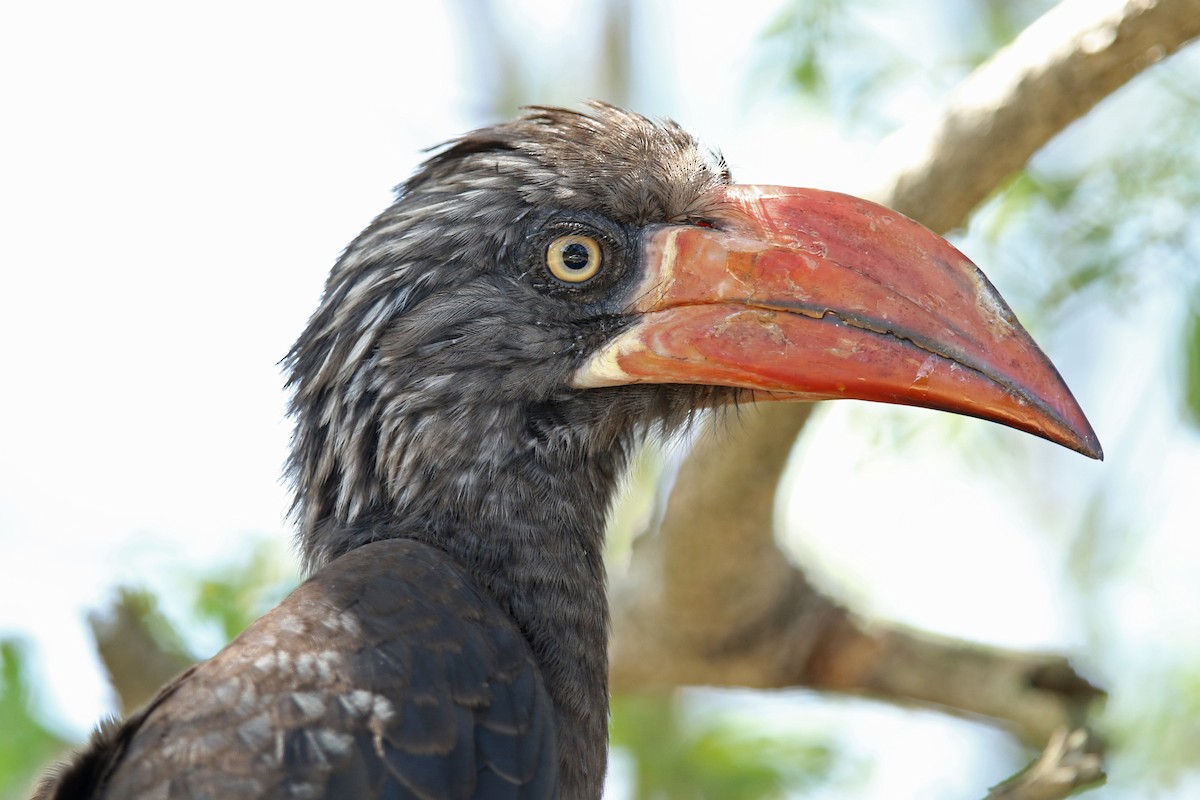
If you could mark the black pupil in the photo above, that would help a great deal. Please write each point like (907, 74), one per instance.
(575, 256)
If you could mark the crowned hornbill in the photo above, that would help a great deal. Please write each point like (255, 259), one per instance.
(484, 357)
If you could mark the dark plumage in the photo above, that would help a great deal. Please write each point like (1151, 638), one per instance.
(433, 415)
(485, 354)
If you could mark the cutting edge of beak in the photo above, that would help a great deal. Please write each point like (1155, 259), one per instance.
(810, 295)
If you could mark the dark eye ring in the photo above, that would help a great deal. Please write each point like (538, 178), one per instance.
(574, 258)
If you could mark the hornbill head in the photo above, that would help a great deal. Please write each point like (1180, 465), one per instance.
(562, 280)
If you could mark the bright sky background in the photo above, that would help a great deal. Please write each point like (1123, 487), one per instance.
(176, 181)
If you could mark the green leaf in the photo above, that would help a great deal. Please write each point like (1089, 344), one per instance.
(241, 593)
(1191, 371)
(680, 752)
(25, 744)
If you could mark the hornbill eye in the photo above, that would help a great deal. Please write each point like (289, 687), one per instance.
(574, 258)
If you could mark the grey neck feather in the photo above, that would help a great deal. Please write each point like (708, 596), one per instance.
(524, 512)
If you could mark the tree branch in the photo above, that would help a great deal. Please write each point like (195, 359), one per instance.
(1071, 761)
(1081, 51)
(139, 649)
(710, 599)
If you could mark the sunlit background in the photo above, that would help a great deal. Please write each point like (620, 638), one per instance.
(176, 180)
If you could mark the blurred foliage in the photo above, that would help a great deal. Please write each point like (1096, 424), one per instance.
(220, 601)
(1191, 369)
(680, 753)
(803, 34)
(236, 596)
(1106, 226)
(25, 743)
(849, 54)
(1152, 717)
(510, 74)
(1154, 736)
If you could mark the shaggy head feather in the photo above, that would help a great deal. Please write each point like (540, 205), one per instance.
(441, 352)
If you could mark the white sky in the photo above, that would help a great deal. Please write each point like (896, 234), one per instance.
(175, 182)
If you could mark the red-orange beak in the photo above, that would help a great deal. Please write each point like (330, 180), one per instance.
(804, 294)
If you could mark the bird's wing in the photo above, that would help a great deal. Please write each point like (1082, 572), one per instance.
(386, 675)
